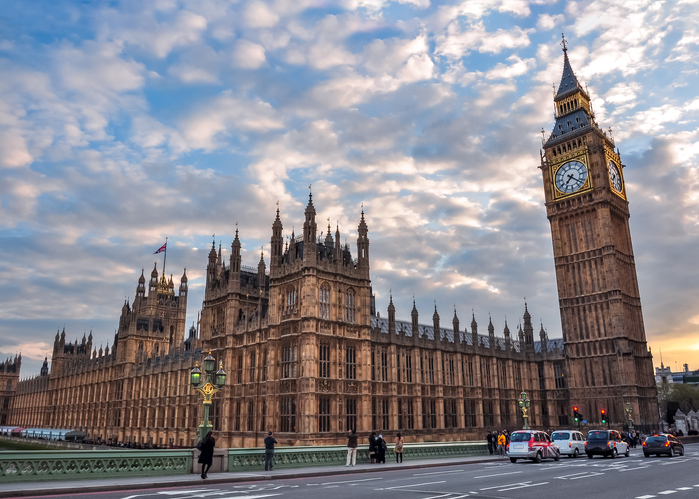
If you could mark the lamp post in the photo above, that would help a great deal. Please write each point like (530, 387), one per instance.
(211, 383)
(629, 415)
(524, 404)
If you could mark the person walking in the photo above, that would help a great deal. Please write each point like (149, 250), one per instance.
(489, 439)
(380, 450)
(372, 447)
(501, 444)
(206, 455)
(269, 451)
(351, 447)
(399, 448)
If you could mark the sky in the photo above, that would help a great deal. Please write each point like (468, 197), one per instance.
(126, 122)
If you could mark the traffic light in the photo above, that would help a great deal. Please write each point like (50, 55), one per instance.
(576, 414)
(604, 416)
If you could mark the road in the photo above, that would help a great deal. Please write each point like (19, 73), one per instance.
(634, 477)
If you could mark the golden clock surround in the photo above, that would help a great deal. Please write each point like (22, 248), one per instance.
(582, 157)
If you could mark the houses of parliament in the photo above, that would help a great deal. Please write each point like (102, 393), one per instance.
(309, 357)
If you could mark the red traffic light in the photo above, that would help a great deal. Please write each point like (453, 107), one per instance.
(602, 411)
(575, 409)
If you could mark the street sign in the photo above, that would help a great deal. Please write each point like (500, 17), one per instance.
(584, 421)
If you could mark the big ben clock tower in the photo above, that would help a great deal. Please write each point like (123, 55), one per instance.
(609, 365)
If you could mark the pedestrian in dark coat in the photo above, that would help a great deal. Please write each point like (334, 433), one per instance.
(269, 451)
(206, 456)
(372, 447)
(381, 450)
(491, 441)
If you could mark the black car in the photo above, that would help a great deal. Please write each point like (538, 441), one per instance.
(662, 444)
(605, 443)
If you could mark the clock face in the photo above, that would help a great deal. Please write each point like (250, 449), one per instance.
(614, 175)
(571, 177)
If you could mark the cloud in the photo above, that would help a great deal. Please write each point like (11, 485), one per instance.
(259, 15)
(547, 22)
(249, 55)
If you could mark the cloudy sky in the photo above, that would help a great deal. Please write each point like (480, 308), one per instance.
(125, 122)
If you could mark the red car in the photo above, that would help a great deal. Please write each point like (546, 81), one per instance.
(532, 444)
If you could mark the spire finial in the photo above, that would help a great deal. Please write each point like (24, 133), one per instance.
(310, 193)
(564, 43)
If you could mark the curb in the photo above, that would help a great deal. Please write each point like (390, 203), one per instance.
(282, 475)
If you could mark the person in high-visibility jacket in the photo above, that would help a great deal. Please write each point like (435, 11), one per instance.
(501, 444)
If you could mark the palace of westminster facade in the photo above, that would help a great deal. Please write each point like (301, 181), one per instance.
(309, 358)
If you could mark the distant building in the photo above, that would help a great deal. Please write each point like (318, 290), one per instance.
(665, 376)
(9, 378)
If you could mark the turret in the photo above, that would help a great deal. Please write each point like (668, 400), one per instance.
(455, 323)
(141, 288)
(338, 246)
(45, 368)
(183, 283)
(528, 329)
(309, 234)
(153, 284)
(435, 323)
(211, 267)
(363, 247)
(414, 317)
(276, 246)
(261, 268)
(491, 332)
(506, 333)
(391, 315)
(474, 329)
(543, 339)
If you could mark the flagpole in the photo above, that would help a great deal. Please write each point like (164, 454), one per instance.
(165, 256)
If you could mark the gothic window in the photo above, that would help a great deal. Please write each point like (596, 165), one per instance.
(430, 368)
(429, 413)
(289, 361)
(384, 414)
(291, 299)
(398, 365)
(505, 416)
(251, 416)
(350, 306)
(351, 413)
(220, 320)
(288, 414)
(324, 362)
(252, 368)
(325, 301)
(488, 419)
(542, 378)
(384, 366)
(452, 380)
(373, 367)
(559, 374)
(422, 370)
(157, 349)
(450, 413)
(485, 369)
(408, 368)
(264, 367)
(470, 413)
(351, 365)
(502, 374)
(444, 369)
(324, 414)
(263, 419)
(237, 416)
(240, 368)
(410, 423)
(140, 347)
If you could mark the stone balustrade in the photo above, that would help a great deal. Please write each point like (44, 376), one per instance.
(81, 464)
(66, 465)
(296, 457)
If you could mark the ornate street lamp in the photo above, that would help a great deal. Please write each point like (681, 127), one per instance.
(524, 404)
(212, 383)
(629, 415)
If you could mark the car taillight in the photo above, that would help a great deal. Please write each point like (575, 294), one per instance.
(645, 444)
(609, 445)
(570, 444)
(667, 444)
(586, 444)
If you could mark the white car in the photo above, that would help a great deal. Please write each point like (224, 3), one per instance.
(571, 443)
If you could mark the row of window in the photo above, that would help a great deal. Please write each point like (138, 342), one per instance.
(324, 303)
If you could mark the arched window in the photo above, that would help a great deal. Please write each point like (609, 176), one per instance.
(325, 301)
(140, 347)
(291, 300)
(350, 306)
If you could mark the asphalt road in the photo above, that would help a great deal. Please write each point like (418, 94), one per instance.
(634, 477)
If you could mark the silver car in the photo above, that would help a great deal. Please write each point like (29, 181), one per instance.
(532, 444)
(571, 443)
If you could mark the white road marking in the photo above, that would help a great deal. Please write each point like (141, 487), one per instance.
(684, 488)
(590, 475)
(351, 481)
(438, 472)
(408, 486)
(666, 492)
(523, 486)
(634, 469)
(645, 497)
(508, 485)
(499, 474)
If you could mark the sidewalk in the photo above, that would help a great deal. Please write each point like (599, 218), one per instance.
(18, 489)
